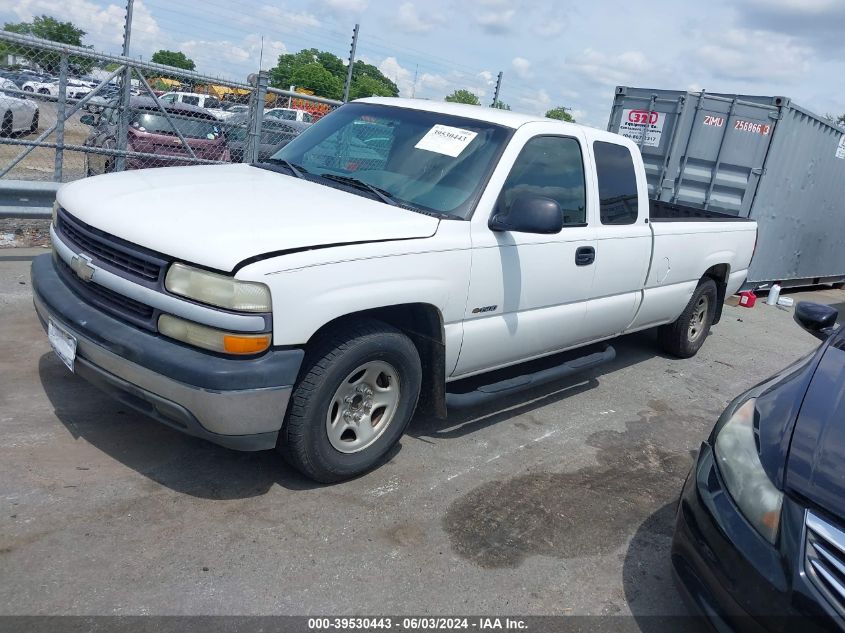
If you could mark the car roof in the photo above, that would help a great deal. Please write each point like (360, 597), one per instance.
(148, 102)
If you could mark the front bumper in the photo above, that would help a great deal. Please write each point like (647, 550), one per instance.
(237, 403)
(727, 572)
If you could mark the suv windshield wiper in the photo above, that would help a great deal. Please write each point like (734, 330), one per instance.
(383, 195)
(296, 170)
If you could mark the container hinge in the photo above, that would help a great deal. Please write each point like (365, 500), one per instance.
(758, 171)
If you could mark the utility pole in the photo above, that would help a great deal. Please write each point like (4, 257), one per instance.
(498, 87)
(125, 91)
(414, 89)
(351, 64)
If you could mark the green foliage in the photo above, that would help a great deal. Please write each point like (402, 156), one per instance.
(560, 113)
(366, 86)
(316, 78)
(501, 105)
(177, 59)
(463, 96)
(48, 28)
(841, 119)
(367, 80)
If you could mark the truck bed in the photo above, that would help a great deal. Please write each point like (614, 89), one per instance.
(662, 211)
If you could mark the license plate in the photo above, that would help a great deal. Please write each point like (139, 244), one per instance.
(62, 343)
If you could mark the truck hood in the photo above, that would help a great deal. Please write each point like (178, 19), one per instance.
(815, 466)
(220, 215)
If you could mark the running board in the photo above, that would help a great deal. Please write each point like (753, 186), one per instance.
(493, 390)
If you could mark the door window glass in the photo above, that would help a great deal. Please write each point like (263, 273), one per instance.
(617, 183)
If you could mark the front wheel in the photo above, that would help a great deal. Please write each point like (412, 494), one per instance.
(33, 126)
(686, 335)
(356, 395)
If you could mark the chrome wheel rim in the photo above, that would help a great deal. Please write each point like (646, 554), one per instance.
(363, 406)
(699, 318)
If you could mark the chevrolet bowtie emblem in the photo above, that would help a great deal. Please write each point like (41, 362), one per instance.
(81, 265)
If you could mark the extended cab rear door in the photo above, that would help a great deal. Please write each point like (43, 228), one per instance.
(623, 236)
(528, 292)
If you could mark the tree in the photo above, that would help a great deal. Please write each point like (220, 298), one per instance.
(366, 86)
(177, 59)
(316, 78)
(463, 96)
(289, 69)
(560, 113)
(501, 105)
(48, 28)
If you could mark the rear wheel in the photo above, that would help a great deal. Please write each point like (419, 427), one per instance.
(7, 127)
(686, 335)
(33, 127)
(28, 89)
(356, 395)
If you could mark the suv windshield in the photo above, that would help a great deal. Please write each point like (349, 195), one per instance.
(156, 123)
(421, 159)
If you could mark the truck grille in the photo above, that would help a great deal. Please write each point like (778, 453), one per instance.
(107, 300)
(824, 559)
(110, 250)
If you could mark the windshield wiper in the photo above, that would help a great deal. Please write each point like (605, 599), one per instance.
(383, 195)
(296, 170)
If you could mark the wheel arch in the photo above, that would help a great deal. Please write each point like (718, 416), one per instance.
(423, 324)
(719, 273)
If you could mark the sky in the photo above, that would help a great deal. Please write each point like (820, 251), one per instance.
(551, 52)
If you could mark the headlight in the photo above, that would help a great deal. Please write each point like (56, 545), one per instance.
(211, 339)
(745, 479)
(217, 290)
(55, 212)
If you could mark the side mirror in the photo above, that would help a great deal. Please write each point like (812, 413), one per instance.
(529, 214)
(816, 318)
(88, 119)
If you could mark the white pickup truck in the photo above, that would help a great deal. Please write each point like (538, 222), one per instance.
(308, 303)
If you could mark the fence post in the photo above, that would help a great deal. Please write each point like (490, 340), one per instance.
(125, 93)
(61, 106)
(495, 103)
(351, 64)
(256, 117)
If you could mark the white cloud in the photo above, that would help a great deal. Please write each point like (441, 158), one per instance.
(278, 16)
(408, 19)
(522, 68)
(401, 76)
(349, 6)
(603, 68)
(748, 56)
(495, 22)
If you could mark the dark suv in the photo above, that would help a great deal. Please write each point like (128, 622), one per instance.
(151, 132)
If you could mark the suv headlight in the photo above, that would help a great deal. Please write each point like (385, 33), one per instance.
(748, 484)
(218, 290)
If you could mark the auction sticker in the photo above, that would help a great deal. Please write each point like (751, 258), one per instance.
(443, 139)
(840, 149)
(637, 124)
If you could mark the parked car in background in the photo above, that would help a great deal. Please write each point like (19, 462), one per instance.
(310, 306)
(151, 132)
(19, 77)
(760, 532)
(103, 98)
(288, 114)
(230, 109)
(274, 135)
(209, 102)
(16, 113)
(76, 89)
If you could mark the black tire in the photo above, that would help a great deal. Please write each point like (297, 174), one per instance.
(33, 128)
(28, 89)
(329, 363)
(7, 127)
(687, 334)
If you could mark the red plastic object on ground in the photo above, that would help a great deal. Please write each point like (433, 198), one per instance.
(747, 299)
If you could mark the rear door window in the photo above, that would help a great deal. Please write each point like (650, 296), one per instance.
(617, 183)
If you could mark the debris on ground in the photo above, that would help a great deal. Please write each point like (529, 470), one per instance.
(17, 233)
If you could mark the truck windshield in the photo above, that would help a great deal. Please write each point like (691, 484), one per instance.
(421, 159)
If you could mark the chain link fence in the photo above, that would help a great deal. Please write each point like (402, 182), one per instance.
(68, 112)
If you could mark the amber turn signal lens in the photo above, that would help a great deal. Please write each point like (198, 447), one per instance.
(234, 344)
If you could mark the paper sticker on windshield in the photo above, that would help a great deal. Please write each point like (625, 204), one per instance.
(447, 140)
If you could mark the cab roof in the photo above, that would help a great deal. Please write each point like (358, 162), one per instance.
(506, 118)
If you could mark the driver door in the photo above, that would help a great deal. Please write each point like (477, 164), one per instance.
(528, 292)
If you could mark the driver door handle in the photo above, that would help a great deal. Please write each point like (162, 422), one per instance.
(585, 255)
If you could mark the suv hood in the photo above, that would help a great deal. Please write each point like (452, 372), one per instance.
(815, 469)
(219, 215)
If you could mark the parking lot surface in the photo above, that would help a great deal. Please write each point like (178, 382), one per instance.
(559, 500)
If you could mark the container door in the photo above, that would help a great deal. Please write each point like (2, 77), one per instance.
(652, 122)
(724, 157)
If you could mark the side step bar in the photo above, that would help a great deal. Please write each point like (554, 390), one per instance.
(521, 382)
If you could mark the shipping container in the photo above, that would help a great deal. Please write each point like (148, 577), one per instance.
(764, 158)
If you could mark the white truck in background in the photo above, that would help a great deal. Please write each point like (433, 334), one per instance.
(309, 302)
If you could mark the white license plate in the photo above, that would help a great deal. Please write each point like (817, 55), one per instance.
(62, 343)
